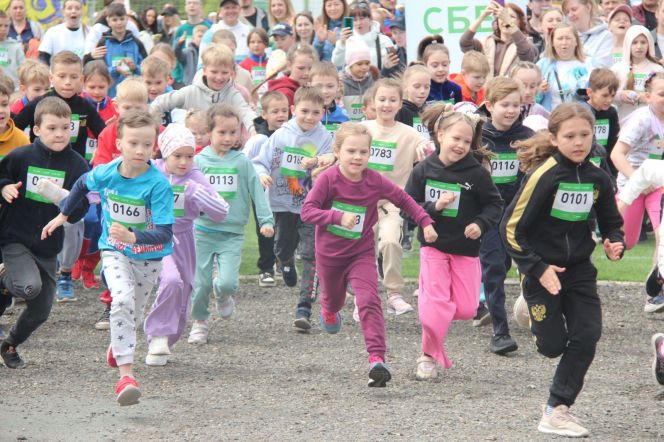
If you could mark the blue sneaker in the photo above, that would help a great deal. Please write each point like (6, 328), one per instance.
(330, 322)
(65, 289)
(379, 374)
(289, 273)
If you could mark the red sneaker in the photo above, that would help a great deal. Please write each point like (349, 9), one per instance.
(110, 359)
(127, 391)
(76, 271)
(89, 280)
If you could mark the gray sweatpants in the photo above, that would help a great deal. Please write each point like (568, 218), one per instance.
(71, 247)
(32, 278)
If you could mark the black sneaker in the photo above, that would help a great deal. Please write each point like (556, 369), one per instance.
(302, 319)
(380, 265)
(502, 344)
(104, 321)
(658, 362)
(482, 317)
(289, 273)
(10, 356)
(406, 242)
(379, 375)
(654, 283)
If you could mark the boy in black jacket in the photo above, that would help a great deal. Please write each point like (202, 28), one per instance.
(504, 128)
(30, 262)
(602, 87)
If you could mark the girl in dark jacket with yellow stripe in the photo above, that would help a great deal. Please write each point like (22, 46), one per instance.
(547, 233)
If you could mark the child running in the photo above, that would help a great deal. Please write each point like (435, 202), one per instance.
(137, 204)
(456, 190)
(548, 235)
(343, 204)
(193, 195)
(233, 177)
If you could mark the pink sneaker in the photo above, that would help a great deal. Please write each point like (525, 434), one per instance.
(127, 391)
(110, 359)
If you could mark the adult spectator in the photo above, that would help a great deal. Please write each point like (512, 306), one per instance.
(366, 30)
(304, 27)
(595, 36)
(328, 27)
(255, 16)
(607, 6)
(229, 19)
(170, 22)
(69, 35)
(20, 28)
(195, 17)
(280, 11)
(645, 13)
(658, 33)
(396, 60)
(534, 25)
(507, 45)
(149, 28)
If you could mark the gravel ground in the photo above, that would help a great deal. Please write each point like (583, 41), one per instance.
(257, 379)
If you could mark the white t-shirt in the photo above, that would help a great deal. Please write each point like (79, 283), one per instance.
(240, 30)
(637, 132)
(60, 38)
(569, 87)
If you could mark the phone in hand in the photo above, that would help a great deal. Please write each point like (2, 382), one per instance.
(348, 22)
(391, 50)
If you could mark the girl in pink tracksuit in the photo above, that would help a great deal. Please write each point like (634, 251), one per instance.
(192, 195)
(343, 204)
(456, 190)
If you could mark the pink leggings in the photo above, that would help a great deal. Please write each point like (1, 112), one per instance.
(360, 271)
(633, 216)
(449, 289)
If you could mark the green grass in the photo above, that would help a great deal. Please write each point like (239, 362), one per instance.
(634, 266)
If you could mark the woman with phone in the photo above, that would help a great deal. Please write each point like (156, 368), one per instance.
(328, 27)
(508, 44)
(359, 26)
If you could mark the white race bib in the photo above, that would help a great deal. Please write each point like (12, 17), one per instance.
(602, 131)
(435, 189)
(90, 147)
(129, 212)
(504, 168)
(290, 161)
(640, 82)
(4, 57)
(355, 112)
(572, 202)
(34, 174)
(383, 154)
(224, 180)
(655, 151)
(74, 127)
(418, 126)
(358, 211)
(178, 201)
(258, 74)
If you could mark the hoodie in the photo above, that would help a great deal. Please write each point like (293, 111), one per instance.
(280, 160)
(11, 57)
(198, 95)
(12, 138)
(409, 114)
(598, 46)
(478, 201)
(116, 50)
(640, 70)
(505, 170)
(254, 144)
(235, 179)
(374, 39)
(466, 93)
(286, 86)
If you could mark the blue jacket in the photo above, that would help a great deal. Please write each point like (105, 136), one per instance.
(129, 47)
(448, 90)
(325, 48)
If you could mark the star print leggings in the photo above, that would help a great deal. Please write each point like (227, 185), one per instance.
(130, 282)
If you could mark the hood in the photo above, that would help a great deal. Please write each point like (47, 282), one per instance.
(108, 35)
(492, 136)
(284, 82)
(465, 163)
(209, 154)
(309, 140)
(10, 42)
(633, 32)
(597, 29)
(199, 82)
(260, 124)
(370, 37)
(410, 107)
(8, 134)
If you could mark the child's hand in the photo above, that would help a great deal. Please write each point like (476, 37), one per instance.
(430, 234)
(182, 38)
(622, 206)
(120, 233)
(98, 52)
(130, 64)
(613, 250)
(472, 231)
(308, 163)
(10, 192)
(348, 220)
(266, 181)
(549, 279)
(444, 200)
(267, 231)
(544, 86)
(627, 96)
(53, 225)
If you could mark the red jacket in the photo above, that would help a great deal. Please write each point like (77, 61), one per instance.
(107, 150)
(249, 63)
(466, 94)
(286, 86)
(18, 105)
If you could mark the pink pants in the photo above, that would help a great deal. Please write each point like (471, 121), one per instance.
(449, 289)
(633, 216)
(360, 271)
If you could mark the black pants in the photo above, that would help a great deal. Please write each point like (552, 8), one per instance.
(33, 279)
(266, 256)
(495, 263)
(567, 324)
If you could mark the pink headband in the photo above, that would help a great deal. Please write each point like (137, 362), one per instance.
(175, 137)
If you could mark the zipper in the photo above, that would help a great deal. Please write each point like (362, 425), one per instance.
(578, 180)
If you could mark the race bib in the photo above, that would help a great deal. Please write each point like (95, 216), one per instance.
(655, 150)
(617, 57)
(640, 82)
(118, 61)
(332, 128)
(572, 202)
(355, 112)
(358, 211)
(34, 174)
(602, 131)
(435, 189)
(74, 127)
(4, 57)
(178, 201)
(224, 180)
(504, 168)
(90, 147)
(127, 211)
(258, 74)
(418, 126)
(382, 155)
(290, 161)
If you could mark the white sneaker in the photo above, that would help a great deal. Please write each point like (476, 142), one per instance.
(562, 423)
(156, 360)
(198, 333)
(426, 368)
(225, 306)
(397, 305)
(159, 346)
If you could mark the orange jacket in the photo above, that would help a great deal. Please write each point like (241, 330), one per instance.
(466, 94)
